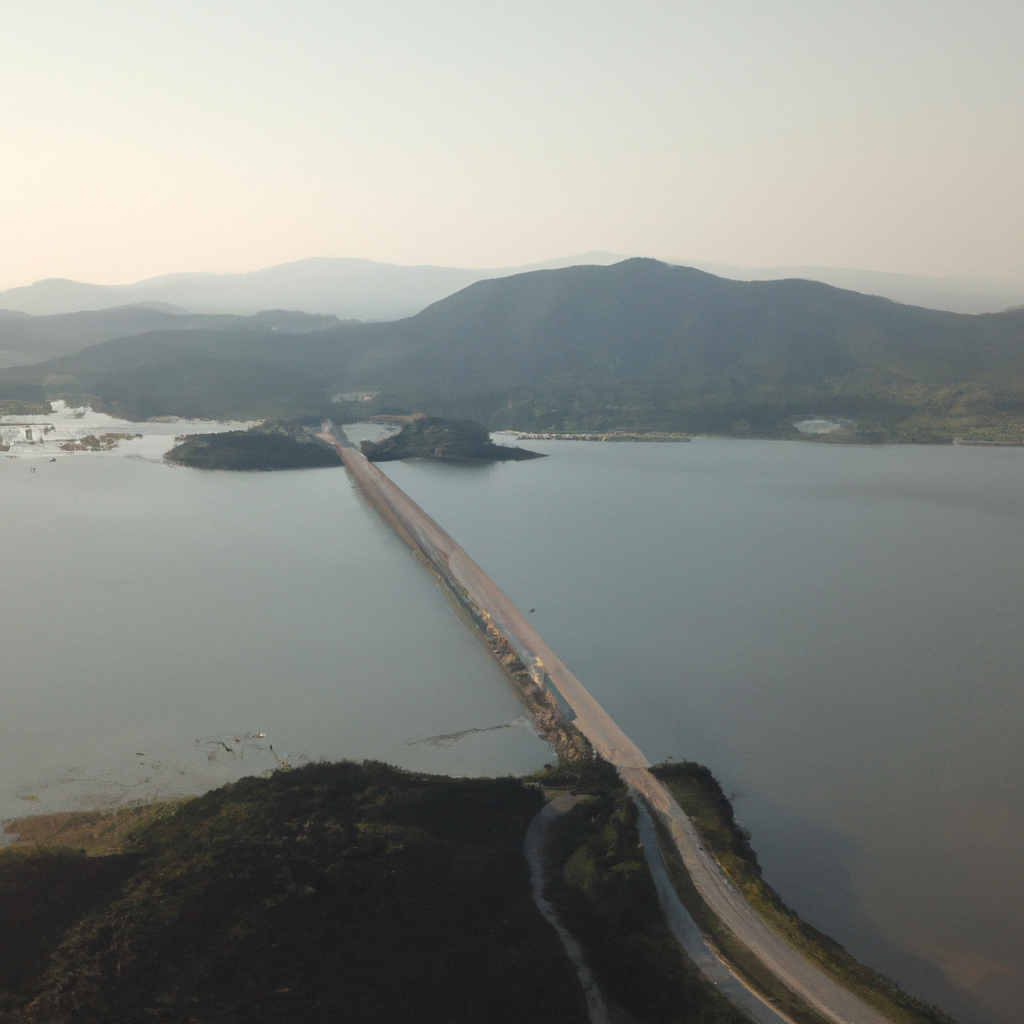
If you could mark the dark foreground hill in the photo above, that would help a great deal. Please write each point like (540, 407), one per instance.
(345, 892)
(365, 894)
(638, 345)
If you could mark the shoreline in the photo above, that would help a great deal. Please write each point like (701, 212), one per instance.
(546, 713)
(814, 987)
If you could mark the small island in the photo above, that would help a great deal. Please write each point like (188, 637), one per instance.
(432, 437)
(276, 444)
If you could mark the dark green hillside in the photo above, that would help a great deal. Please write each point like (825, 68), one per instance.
(275, 444)
(343, 892)
(363, 893)
(642, 320)
(642, 344)
(200, 374)
(638, 346)
(203, 387)
(232, 372)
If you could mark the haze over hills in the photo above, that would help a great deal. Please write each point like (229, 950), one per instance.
(953, 294)
(32, 339)
(636, 345)
(365, 290)
(347, 288)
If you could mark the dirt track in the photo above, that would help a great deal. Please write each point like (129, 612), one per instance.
(470, 584)
(535, 842)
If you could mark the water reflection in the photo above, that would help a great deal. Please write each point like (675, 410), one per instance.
(166, 630)
(835, 630)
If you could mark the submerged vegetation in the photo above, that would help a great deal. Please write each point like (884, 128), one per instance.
(275, 444)
(614, 435)
(92, 443)
(15, 407)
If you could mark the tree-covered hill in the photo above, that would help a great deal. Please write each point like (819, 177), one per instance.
(645, 321)
(332, 893)
(363, 893)
(433, 437)
(640, 344)
(271, 445)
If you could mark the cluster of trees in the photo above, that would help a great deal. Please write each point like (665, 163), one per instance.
(364, 893)
(275, 444)
(331, 892)
(433, 437)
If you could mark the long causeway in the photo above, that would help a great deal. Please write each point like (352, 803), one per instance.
(475, 591)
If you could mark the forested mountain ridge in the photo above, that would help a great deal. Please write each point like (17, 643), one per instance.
(362, 289)
(645, 319)
(639, 344)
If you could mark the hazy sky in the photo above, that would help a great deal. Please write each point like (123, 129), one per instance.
(139, 138)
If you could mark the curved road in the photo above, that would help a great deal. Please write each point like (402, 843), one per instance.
(470, 583)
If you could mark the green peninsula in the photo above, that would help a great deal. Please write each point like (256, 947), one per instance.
(364, 893)
(432, 437)
(276, 444)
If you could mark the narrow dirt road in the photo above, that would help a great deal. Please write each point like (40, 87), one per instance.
(471, 585)
(535, 843)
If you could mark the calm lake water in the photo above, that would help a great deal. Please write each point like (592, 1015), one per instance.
(835, 631)
(838, 632)
(157, 619)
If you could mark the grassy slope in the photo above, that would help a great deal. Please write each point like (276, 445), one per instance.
(603, 891)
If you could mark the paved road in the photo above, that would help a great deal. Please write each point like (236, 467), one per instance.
(689, 937)
(816, 987)
(470, 583)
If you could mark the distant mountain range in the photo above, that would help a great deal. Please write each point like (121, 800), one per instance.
(350, 289)
(364, 290)
(32, 339)
(638, 345)
(953, 294)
